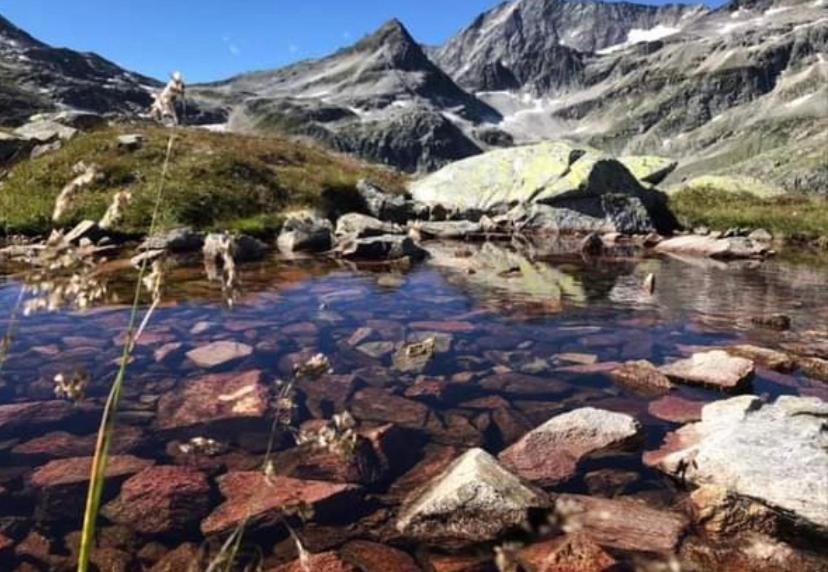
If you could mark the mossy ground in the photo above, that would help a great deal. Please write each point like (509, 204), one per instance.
(791, 216)
(215, 181)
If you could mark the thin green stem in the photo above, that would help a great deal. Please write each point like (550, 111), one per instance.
(107, 426)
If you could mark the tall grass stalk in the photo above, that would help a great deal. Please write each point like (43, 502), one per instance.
(107, 426)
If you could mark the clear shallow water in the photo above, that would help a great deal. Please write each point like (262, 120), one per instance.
(493, 309)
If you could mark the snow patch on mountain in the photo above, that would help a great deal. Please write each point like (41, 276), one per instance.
(640, 36)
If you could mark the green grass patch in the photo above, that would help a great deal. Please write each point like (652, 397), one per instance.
(215, 181)
(791, 216)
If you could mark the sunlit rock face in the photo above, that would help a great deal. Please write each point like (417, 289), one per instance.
(540, 44)
(772, 452)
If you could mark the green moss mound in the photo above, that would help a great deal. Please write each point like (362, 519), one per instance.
(215, 181)
(793, 216)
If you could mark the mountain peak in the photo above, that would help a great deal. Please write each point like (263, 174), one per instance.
(392, 33)
(396, 45)
(9, 31)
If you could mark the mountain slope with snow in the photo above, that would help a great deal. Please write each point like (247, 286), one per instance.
(537, 45)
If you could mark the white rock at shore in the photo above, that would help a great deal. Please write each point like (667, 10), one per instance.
(777, 454)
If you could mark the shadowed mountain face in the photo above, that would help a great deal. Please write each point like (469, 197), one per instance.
(35, 77)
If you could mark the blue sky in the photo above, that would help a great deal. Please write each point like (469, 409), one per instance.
(214, 39)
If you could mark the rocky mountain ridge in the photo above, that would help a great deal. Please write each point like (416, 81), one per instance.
(538, 45)
(735, 92)
(35, 77)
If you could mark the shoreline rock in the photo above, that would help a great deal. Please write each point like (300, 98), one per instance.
(772, 452)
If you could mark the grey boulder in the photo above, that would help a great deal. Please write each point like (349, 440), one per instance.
(305, 233)
(356, 225)
(774, 453)
(473, 500)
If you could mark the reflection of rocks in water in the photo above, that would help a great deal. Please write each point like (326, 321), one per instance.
(497, 269)
(727, 296)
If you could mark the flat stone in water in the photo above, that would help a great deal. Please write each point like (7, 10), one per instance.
(213, 398)
(254, 498)
(715, 369)
(76, 470)
(372, 556)
(576, 552)
(771, 359)
(550, 454)
(161, 499)
(642, 378)
(776, 453)
(676, 409)
(218, 353)
(376, 350)
(321, 562)
(578, 358)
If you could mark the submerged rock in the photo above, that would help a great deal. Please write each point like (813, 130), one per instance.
(716, 369)
(61, 445)
(252, 497)
(19, 418)
(771, 359)
(641, 377)
(161, 500)
(814, 367)
(550, 454)
(676, 409)
(218, 353)
(576, 552)
(377, 404)
(213, 398)
(776, 453)
(322, 562)
(473, 500)
(61, 485)
(375, 557)
(780, 322)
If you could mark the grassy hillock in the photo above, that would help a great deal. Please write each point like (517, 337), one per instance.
(794, 217)
(215, 181)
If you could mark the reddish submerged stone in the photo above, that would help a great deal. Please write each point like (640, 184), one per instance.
(161, 499)
(213, 398)
(250, 495)
(571, 553)
(550, 453)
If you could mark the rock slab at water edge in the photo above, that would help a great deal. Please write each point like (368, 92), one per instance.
(550, 454)
(775, 453)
